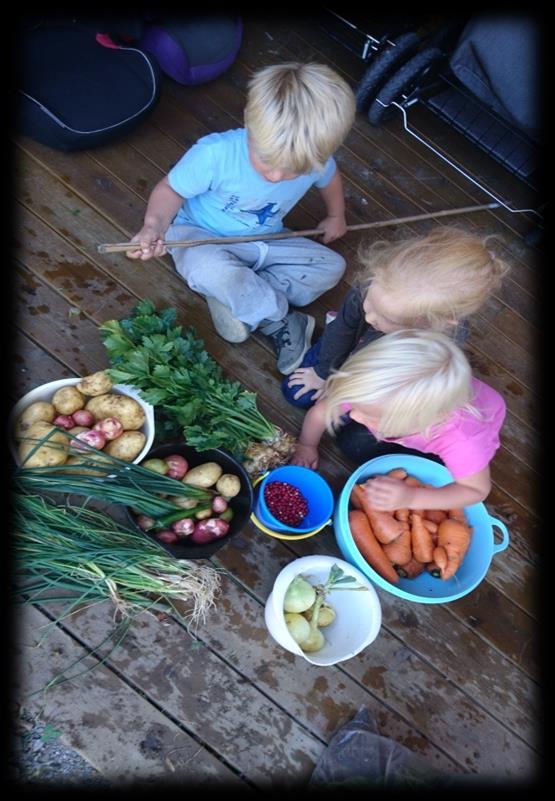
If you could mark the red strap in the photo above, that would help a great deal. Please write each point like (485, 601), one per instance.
(105, 40)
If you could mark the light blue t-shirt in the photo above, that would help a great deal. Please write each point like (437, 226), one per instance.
(224, 193)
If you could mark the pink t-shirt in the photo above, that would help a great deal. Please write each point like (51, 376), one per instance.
(465, 443)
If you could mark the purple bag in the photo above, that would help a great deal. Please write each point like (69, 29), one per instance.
(194, 49)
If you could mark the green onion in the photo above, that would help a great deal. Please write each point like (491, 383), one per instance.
(88, 553)
(108, 479)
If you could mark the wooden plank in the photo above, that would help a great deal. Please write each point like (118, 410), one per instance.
(422, 699)
(215, 704)
(114, 727)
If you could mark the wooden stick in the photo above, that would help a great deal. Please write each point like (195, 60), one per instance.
(120, 247)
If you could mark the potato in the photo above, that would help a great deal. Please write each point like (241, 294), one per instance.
(228, 485)
(126, 409)
(67, 400)
(39, 412)
(127, 446)
(204, 475)
(95, 384)
(51, 453)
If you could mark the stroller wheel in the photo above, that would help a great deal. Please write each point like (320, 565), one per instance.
(406, 81)
(381, 67)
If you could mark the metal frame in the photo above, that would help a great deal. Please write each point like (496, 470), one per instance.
(448, 161)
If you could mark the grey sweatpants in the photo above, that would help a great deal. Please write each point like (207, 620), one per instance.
(257, 281)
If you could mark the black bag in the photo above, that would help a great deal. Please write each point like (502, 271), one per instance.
(79, 89)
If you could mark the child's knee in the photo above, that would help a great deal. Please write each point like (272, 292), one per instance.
(304, 402)
(197, 264)
(335, 267)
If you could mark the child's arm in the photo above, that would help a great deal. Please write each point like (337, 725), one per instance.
(387, 494)
(334, 224)
(162, 207)
(338, 341)
(314, 425)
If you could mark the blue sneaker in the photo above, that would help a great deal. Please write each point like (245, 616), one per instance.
(292, 340)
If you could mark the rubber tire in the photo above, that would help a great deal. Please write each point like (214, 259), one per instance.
(382, 66)
(407, 77)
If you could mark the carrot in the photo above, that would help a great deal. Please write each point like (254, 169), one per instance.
(435, 515)
(411, 569)
(454, 538)
(398, 472)
(354, 498)
(399, 550)
(457, 514)
(440, 558)
(421, 538)
(384, 525)
(430, 525)
(369, 546)
(411, 481)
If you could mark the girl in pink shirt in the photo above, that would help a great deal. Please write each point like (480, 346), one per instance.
(410, 391)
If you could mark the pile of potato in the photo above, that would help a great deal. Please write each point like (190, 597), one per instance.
(117, 417)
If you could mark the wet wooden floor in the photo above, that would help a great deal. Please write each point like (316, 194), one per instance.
(456, 683)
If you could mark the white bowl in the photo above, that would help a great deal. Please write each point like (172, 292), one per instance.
(45, 393)
(358, 612)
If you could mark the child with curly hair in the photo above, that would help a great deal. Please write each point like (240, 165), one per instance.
(432, 281)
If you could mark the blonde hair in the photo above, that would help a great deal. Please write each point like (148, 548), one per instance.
(297, 115)
(438, 278)
(415, 377)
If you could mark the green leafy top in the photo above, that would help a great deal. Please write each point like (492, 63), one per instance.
(174, 373)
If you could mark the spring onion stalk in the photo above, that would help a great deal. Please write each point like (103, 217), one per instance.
(108, 479)
(88, 553)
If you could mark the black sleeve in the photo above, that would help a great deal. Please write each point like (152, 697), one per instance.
(342, 334)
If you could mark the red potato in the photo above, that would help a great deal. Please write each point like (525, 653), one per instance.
(209, 530)
(177, 466)
(219, 504)
(95, 439)
(167, 535)
(83, 417)
(183, 527)
(110, 427)
(65, 421)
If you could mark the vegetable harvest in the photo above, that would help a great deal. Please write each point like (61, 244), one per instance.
(88, 553)
(433, 540)
(192, 397)
(305, 610)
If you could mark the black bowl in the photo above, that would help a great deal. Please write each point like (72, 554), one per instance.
(241, 503)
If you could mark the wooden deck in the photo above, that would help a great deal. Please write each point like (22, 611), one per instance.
(456, 683)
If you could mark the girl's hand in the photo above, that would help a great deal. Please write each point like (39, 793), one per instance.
(333, 227)
(149, 244)
(387, 494)
(307, 379)
(305, 456)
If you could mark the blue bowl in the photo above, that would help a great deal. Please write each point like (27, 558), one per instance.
(424, 588)
(315, 489)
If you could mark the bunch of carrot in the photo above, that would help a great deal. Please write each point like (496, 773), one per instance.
(406, 542)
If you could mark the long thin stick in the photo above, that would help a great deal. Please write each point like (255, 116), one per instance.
(120, 247)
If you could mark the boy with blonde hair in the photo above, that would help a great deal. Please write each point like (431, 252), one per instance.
(244, 182)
